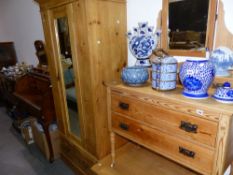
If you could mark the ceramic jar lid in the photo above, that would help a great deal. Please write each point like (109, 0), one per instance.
(224, 94)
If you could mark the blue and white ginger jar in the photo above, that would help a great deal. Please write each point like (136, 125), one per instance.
(196, 77)
(222, 58)
(224, 94)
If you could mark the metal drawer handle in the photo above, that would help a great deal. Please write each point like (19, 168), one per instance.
(188, 127)
(124, 126)
(186, 152)
(123, 105)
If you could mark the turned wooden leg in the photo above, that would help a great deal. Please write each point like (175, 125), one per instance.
(48, 139)
(113, 154)
(231, 173)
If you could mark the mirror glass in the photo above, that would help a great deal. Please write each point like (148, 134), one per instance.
(68, 74)
(187, 24)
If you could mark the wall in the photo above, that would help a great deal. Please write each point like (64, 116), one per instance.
(138, 11)
(3, 33)
(228, 4)
(20, 22)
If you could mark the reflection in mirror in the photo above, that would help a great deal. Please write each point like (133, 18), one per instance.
(187, 24)
(68, 73)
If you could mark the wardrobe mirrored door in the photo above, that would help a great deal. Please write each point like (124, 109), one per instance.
(66, 61)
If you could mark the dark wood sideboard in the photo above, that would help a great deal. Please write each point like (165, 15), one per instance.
(33, 93)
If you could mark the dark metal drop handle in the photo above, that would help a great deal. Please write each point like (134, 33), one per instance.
(124, 126)
(187, 152)
(124, 106)
(188, 127)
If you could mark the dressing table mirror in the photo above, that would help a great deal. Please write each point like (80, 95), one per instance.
(188, 26)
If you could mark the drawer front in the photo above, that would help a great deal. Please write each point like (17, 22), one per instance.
(184, 125)
(190, 155)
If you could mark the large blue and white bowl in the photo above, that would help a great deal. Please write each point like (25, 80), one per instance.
(135, 75)
(196, 77)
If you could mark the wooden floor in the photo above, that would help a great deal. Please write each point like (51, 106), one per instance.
(134, 160)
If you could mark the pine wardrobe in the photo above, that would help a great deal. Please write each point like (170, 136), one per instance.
(86, 46)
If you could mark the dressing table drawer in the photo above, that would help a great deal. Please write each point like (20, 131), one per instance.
(172, 122)
(186, 153)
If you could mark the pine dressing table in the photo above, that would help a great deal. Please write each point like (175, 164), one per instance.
(197, 134)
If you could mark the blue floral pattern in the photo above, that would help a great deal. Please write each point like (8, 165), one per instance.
(230, 93)
(142, 41)
(192, 84)
(224, 94)
(142, 46)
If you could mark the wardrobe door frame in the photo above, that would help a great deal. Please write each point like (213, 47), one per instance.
(61, 104)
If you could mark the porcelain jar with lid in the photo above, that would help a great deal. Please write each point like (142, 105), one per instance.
(196, 76)
(224, 94)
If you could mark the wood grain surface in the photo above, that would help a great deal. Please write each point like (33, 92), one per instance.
(205, 108)
(165, 144)
(151, 118)
(166, 120)
(224, 37)
(134, 160)
(97, 36)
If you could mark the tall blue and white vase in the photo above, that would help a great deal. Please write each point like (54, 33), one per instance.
(142, 41)
(196, 77)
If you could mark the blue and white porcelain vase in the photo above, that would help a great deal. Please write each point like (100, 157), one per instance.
(222, 58)
(196, 77)
(142, 41)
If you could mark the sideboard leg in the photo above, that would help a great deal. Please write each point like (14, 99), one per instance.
(113, 154)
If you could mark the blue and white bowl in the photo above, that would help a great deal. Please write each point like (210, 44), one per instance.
(135, 75)
(196, 77)
(224, 94)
